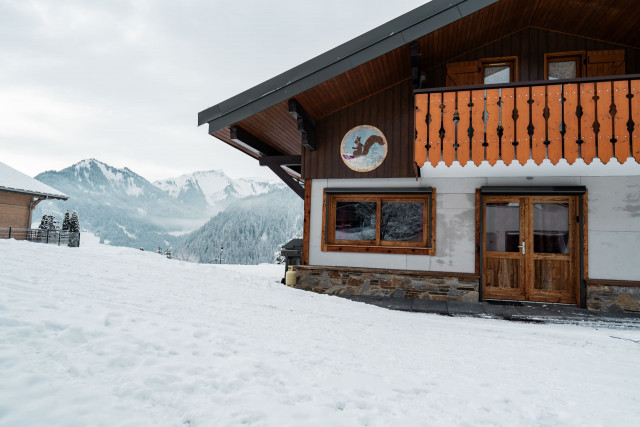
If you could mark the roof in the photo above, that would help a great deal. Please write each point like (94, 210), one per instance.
(349, 55)
(442, 30)
(16, 182)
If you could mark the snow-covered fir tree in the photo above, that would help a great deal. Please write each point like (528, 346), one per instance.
(74, 224)
(66, 222)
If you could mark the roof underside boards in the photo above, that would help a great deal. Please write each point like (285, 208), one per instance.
(379, 59)
(16, 182)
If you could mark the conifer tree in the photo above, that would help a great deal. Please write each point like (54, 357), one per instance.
(74, 225)
(66, 222)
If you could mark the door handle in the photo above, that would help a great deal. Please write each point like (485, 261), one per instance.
(523, 249)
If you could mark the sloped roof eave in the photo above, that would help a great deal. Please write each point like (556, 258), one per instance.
(36, 194)
(385, 38)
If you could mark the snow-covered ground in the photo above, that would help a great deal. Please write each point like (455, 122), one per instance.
(112, 336)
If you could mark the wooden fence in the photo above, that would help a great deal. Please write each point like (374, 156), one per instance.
(561, 119)
(55, 237)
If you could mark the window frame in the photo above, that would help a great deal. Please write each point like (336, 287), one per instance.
(511, 61)
(578, 55)
(422, 195)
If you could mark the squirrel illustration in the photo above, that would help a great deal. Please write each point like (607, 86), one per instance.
(360, 150)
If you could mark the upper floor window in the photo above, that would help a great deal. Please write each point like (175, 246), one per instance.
(564, 65)
(498, 70)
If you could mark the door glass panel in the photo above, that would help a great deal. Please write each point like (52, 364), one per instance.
(402, 222)
(562, 70)
(551, 228)
(356, 221)
(502, 227)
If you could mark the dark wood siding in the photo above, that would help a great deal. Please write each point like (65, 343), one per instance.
(390, 111)
(530, 45)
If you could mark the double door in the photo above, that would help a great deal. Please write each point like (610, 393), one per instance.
(530, 248)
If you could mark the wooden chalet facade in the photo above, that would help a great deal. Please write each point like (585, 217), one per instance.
(467, 150)
(19, 195)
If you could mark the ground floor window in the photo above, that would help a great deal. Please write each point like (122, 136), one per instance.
(380, 221)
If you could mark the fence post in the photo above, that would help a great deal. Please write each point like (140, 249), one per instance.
(47, 237)
(9, 232)
(58, 238)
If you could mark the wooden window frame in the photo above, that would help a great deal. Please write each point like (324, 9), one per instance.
(512, 61)
(578, 55)
(425, 247)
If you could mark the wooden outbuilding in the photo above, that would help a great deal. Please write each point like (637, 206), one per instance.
(467, 150)
(19, 195)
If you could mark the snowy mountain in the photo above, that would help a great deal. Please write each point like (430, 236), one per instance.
(213, 189)
(125, 209)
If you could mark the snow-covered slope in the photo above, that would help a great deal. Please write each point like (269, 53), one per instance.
(109, 336)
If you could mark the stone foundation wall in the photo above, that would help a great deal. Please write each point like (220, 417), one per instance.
(613, 298)
(388, 283)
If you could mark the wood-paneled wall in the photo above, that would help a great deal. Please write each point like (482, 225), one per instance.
(14, 209)
(391, 111)
(530, 45)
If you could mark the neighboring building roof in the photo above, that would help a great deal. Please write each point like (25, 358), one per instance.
(16, 182)
(351, 54)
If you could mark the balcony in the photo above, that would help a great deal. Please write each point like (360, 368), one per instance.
(575, 119)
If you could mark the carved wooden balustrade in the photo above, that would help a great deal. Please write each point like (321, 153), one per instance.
(557, 119)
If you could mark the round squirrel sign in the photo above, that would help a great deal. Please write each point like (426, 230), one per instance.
(363, 148)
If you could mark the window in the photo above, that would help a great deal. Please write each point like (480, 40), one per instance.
(498, 70)
(563, 65)
(483, 71)
(379, 221)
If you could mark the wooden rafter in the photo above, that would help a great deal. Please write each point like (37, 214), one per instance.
(306, 124)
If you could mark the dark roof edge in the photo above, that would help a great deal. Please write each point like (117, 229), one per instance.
(35, 193)
(391, 35)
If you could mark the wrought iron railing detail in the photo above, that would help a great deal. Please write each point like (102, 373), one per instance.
(549, 120)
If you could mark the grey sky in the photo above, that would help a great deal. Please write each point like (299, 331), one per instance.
(123, 81)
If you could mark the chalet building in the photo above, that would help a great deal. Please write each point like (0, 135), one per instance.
(19, 195)
(465, 151)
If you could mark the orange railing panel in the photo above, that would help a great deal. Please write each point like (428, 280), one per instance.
(448, 149)
(433, 155)
(477, 120)
(521, 125)
(493, 121)
(420, 150)
(605, 120)
(621, 147)
(571, 119)
(635, 117)
(539, 149)
(554, 125)
(573, 131)
(463, 126)
(587, 121)
(507, 125)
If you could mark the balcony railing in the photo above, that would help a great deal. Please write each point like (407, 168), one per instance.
(557, 119)
(54, 237)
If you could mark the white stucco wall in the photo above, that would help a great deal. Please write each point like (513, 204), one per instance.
(614, 224)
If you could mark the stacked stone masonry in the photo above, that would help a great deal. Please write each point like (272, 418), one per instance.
(399, 284)
(613, 298)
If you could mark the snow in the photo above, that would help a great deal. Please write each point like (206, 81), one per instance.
(112, 336)
(124, 230)
(14, 180)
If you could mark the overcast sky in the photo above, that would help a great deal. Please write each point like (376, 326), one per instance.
(122, 81)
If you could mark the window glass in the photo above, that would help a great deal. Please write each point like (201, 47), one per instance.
(356, 221)
(502, 227)
(402, 221)
(551, 228)
(562, 70)
(497, 74)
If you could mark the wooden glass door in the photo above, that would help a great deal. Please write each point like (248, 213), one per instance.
(530, 248)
